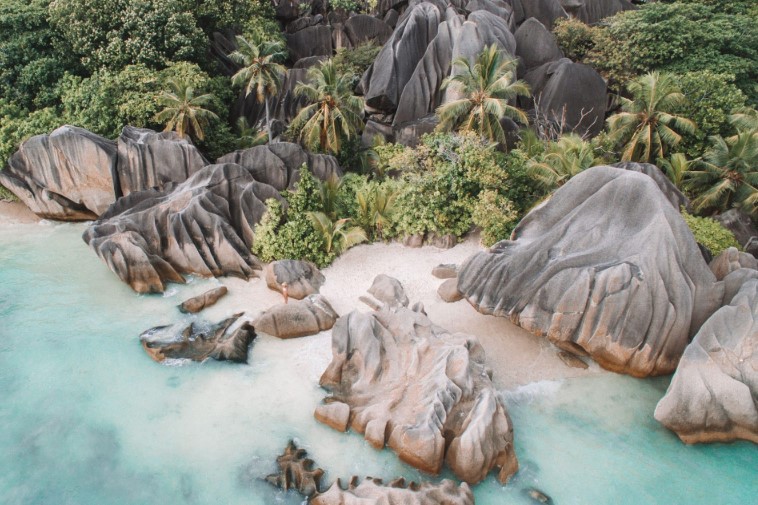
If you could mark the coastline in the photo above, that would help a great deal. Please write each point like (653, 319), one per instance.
(16, 213)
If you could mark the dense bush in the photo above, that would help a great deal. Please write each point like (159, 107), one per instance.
(574, 37)
(710, 233)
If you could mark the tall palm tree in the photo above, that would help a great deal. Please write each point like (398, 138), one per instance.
(338, 235)
(334, 112)
(376, 205)
(676, 168)
(565, 158)
(261, 70)
(183, 111)
(249, 136)
(647, 126)
(486, 86)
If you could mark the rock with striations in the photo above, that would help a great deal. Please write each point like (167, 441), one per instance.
(389, 291)
(568, 93)
(396, 62)
(228, 340)
(397, 492)
(730, 260)
(535, 45)
(300, 318)
(545, 11)
(67, 175)
(499, 8)
(303, 278)
(675, 197)
(448, 291)
(739, 223)
(200, 302)
(148, 159)
(420, 390)
(606, 265)
(712, 396)
(296, 472)
(202, 226)
(310, 41)
(592, 11)
(363, 28)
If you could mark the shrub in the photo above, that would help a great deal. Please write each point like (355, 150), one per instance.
(356, 60)
(574, 37)
(710, 233)
(495, 214)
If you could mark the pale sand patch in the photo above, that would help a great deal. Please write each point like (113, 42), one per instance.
(515, 356)
(16, 213)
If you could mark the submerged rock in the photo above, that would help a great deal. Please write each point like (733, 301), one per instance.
(228, 340)
(421, 390)
(606, 264)
(202, 226)
(296, 472)
(713, 394)
(303, 278)
(397, 492)
(67, 175)
(298, 319)
(198, 303)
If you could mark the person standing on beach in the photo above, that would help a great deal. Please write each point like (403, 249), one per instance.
(285, 292)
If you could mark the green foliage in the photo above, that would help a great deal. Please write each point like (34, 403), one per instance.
(17, 125)
(344, 5)
(486, 88)
(248, 17)
(6, 195)
(710, 233)
(679, 37)
(261, 71)
(183, 110)
(356, 60)
(338, 235)
(574, 37)
(564, 159)
(496, 215)
(676, 168)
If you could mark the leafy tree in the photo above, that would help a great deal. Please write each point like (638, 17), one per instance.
(564, 159)
(338, 235)
(486, 86)
(334, 113)
(496, 215)
(249, 136)
(261, 70)
(710, 233)
(574, 37)
(676, 168)
(18, 124)
(647, 124)
(183, 111)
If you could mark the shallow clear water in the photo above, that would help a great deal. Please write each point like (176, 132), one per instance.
(87, 418)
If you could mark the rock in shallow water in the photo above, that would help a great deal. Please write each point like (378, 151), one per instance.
(397, 492)
(226, 341)
(296, 472)
(198, 303)
(608, 264)
(713, 396)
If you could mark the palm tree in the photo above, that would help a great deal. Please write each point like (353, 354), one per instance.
(249, 136)
(376, 206)
(338, 235)
(328, 192)
(728, 174)
(676, 168)
(487, 86)
(646, 125)
(261, 71)
(334, 112)
(565, 158)
(183, 111)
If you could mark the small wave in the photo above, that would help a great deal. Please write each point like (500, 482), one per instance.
(170, 292)
(529, 392)
(174, 362)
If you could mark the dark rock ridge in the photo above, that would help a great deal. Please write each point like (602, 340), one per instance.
(67, 175)
(300, 318)
(310, 41)
(279, 164)
(202, 226)
(402, 381)
(296, 472)
(397, 492)
(147, 159)
(713, 396)
(198, 303)
(606, 265)
(225, 341)
(303, 278)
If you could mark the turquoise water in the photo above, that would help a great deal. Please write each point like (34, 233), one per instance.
(88, 418)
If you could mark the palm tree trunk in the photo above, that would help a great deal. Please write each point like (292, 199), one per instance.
(268, 122)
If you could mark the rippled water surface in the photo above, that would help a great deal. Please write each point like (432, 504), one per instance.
(87, 418)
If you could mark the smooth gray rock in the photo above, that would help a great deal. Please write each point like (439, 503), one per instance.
(148, 159)
(606, 264)
(545, 11)
(389, 291)
(712, 396)
(675, 197)
(67, 175)
(499, 8)
(592, 11)
(311, 41)
(363, 28)
(202, 226)
(308, 62)
(730, 260)
(228, 340)
(299, 318)
(739, 223)
(445, 271)
(303, 278)
(198, 303)
(409, 133)
(535, 45)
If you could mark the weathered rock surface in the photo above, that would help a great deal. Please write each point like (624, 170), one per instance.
(228, 340)
(740, 224)
(608, 265)
(296, 472)
(279, 164)
(67, 175)
(499, 8)
(148, 159)
(713, 396)
(670, 191)
(730, 260)
(198, 303)
(545, 11)
(445, 271)
(202, 226)
(422, 391)
(363, 28)
(284, 106)
(389, 291)
(535, 45)
(592, 11)
(397, 492)
(408, 134)
(311, 41)
(300, 318)
(303, 278)
(448, 291)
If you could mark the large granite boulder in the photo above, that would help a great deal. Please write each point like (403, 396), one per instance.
(197, 303)
(296, 472)
(303, 278)
(311, 41)
(713, 396)
(397, 492)
(279, 164)
(202, 226)
(675, 197)
(499, 8)
(67, 175)
(228, 340)
(402, 381)
(147, 159)
(730, 260)
(739, 223)
(592, 11)
(606, 265)
(300, 318)
(545, 11)
(535, 45)
(362, 28)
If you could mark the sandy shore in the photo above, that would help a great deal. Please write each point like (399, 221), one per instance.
(16, 213)
(515, 356)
